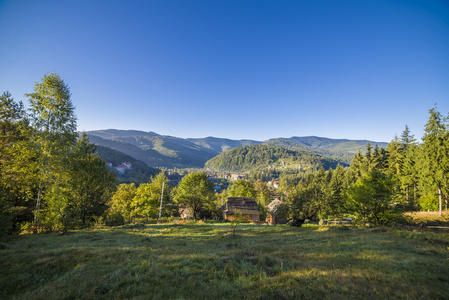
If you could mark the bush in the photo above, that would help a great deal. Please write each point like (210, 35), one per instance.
(429, 202)
(371, 199)
(114, 219)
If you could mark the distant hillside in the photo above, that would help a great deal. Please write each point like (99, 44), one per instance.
(249, 158)
(220, 145)
(117, 133)
(168, 151)
(339, 145)
(341, 156)
(115, 157)
(153, 149)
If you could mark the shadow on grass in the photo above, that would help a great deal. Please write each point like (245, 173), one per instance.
(204, 261)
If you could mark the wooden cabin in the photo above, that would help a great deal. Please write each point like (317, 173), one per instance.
(245, 209)
(185, 212)
(277, 212)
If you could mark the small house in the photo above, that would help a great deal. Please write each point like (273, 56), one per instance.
(237, 177)
(277, 212)
(185, 212)
(241, 207)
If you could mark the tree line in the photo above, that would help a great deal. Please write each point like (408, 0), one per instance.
(50, 178)
(381, 184)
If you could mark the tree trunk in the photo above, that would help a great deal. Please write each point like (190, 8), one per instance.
(440, 204)
(38, 206)
(414, 191)
(406, 193)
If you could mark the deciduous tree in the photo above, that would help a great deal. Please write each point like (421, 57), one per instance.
(195, 191)
(53, 118)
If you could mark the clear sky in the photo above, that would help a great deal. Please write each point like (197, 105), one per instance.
(235, 69)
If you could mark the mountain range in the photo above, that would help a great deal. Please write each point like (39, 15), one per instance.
(167, 151)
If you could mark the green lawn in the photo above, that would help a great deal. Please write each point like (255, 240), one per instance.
(206, 261)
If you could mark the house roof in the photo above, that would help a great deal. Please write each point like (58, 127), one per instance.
(241, 205)
(275, 207)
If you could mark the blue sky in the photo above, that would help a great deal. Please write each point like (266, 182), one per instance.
(235, 69)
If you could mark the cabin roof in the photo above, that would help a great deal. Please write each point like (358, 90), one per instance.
(242, 205)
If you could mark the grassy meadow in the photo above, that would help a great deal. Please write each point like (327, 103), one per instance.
(207, 261)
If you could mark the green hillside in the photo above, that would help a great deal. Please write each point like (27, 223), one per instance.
(220, 145)
(115, 157)
(249, 158)
(343, 157)
(155, 150)
(168, 151)
(339, 145)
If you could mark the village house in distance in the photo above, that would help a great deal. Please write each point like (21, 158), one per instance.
(121, 168)
(241, 207)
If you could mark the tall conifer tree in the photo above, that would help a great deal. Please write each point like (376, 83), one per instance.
(435, 154)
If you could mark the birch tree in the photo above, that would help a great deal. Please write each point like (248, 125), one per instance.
(53, 119)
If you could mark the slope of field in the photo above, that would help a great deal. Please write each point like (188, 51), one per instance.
(208, 262)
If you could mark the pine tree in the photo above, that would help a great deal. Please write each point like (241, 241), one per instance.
(395, 157)
(408, 173)
(407, 139)
(336, 187)
(368, 158)
(435, 155)
(376, 163)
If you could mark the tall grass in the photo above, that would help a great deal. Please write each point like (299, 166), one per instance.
(206, 261)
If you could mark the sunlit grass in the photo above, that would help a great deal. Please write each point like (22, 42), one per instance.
(206, 261)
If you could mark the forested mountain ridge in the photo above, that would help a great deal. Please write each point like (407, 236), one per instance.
(341, 150)
(168, 151)
(220, 145)
(258, 157)
(156, 150)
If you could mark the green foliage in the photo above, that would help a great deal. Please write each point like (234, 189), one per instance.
(242, 188)
(121, 202)
(435, 150)
(196, 192)
(147, 199)
(371, 199)
(341, 154)
(52, 112)
(249, 158)
(17, 165)
(429, 202)
(308, 199)
(42, 165)
(53, 119)
(81, 188)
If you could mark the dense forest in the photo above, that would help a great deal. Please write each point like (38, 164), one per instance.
(258, 157)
